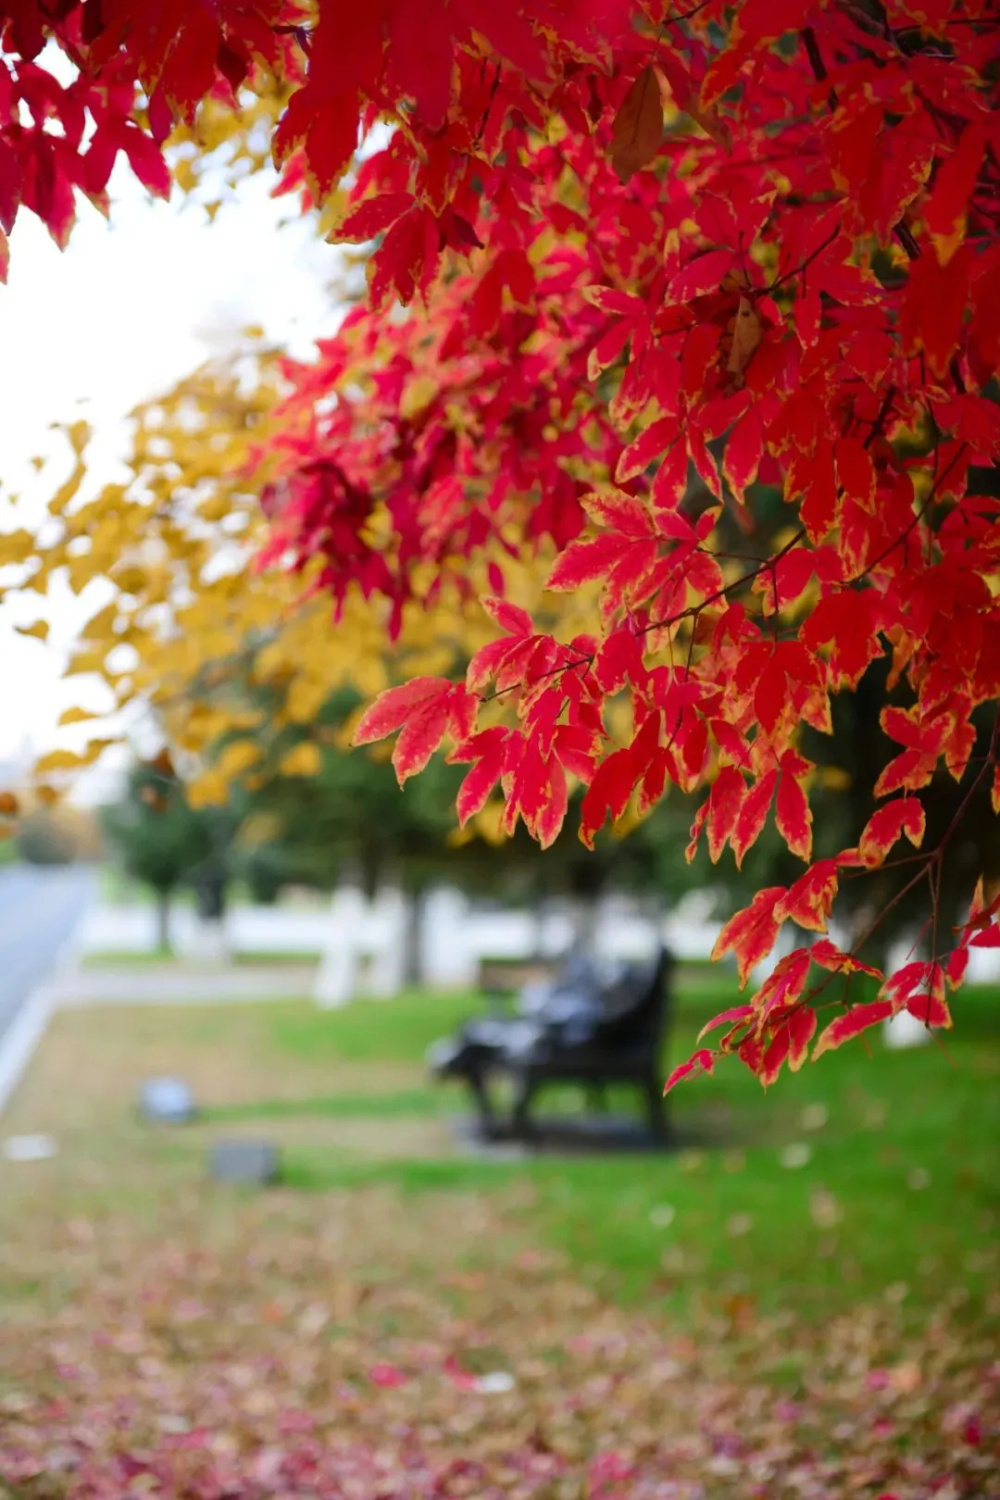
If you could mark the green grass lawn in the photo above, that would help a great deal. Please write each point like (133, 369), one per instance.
(872, 1174)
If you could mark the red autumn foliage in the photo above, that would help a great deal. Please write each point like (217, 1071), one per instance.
(677, 275)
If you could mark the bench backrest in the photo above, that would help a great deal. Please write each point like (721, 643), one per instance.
(639, 1012)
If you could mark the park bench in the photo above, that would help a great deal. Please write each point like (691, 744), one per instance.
(621, 1044)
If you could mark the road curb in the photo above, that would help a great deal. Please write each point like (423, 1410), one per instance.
(18, 1043)
(22, 1036)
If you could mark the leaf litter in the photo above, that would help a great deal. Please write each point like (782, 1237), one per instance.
(383, 1347)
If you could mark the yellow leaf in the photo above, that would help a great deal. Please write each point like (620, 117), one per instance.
(58, 760)
(418, 393)
(76, 716)
(303, 760)
(40, 630)
(237, 756)
(16, 546)
(8, 805)
(209, 790)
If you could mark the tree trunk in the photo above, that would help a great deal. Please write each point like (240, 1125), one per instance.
(163, 943)
(413, 967)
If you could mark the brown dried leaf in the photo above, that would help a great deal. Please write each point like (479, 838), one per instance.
(638, 128)
(746, 337)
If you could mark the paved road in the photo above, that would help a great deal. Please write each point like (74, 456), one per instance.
(39, 909)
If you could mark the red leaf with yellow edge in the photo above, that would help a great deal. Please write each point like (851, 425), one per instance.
(930, 1010)
(829, 956)
(655, 441)
(783, 986)
(801, 1028)
(736, 1013)
(958, 962)
(750, 934)
(847, 622)
(619, 512)
(509, 617)
(753, 815)
(909, 771)
(702, 1061)
(392, 708)
(809, 901)
(608, 793)
(419, 737)
(770, 699)
(619, 658)
(846, 1027)
(885, 827)
(793, 816)
(933, 307)
(856, 472)
(812, 480)
(670, 481)
(995, 791)
(775, 1053)
(373, 216)
(553, 811)
(488, 749)
(695, 834)
(919, 988)
(724, 803)
(743, 453)
(584, 561)
(944, 211)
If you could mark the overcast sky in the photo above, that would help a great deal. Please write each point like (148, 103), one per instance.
(126, 310)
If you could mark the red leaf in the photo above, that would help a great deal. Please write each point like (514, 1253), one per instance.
(944, 210)
(753, 815)
(395, 705)
(830, 957)
(488, 749)
(751, 933)
(793, 816)
(848, 623)
(703, 274)
(846, 1027)
(856, 472)
(933, 307)
(702, 1061)
(734, 1014)
(509, 617)
(770, 699)
(392, 708)
(619, 658)
(809, 901)
(372, 216)
(608, 793)
(146, 160)
(813, 481)
(743, 453)
(801, 1027)
(584, 561)
(419, 737)
(650, 445)
(885, 827)
(724, 802)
